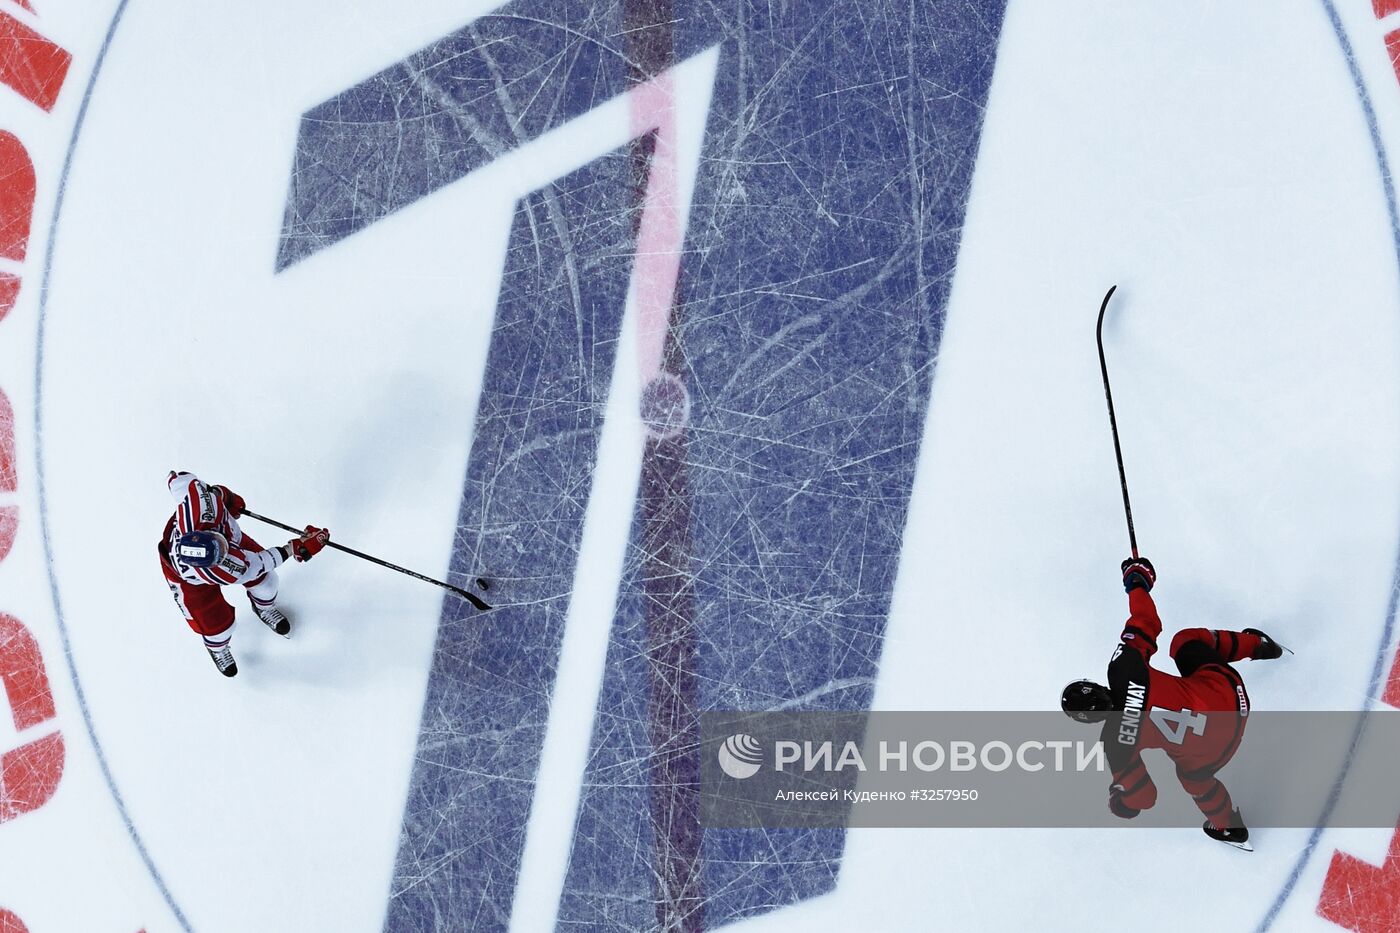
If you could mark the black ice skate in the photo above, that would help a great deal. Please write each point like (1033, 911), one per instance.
(272, 617)
(1236, 834)
(1268, 649)
(223, 660)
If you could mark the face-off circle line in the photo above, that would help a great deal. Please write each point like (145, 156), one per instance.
(1378, 669)
(45, 532)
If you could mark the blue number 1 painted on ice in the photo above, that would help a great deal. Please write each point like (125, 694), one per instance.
(782, 352)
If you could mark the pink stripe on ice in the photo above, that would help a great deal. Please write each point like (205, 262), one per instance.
(659, 237)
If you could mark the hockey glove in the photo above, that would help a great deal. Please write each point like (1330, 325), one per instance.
(1268, 649)
(232, 500)
(1138, 572)
(309, 544)
(1117, 807)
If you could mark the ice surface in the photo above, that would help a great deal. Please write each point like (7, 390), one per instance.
(806, 346)
(410, 249)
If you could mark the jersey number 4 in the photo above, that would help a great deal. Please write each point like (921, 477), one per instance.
(1174, 724)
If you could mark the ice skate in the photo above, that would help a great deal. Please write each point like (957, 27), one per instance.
(272, 617)
(1268, 649)
(1236, 834)
(223, 660)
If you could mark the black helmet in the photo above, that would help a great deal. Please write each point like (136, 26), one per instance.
(1086, 701)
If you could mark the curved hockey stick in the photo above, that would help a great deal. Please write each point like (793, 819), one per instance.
(476, 601)
(1113, 423)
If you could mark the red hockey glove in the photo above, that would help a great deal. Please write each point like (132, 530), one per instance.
(309, 544)
(1138, 572)
(232, 500)
(1117, 807)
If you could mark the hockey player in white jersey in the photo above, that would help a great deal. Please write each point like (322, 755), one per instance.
(203, 549)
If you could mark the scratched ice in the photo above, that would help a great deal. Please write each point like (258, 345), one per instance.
(804, 329)
(9, 513)
(1359, 896)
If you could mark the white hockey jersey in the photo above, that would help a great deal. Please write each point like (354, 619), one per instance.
(201, 508)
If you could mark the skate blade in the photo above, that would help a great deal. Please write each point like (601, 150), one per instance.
(1242, 846)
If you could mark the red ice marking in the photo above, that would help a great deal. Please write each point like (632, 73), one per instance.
(1356, 894)
(9, 293)
(1361, 897)
(16, 196)
(29, 775)
(9, 923)
(1392, 46)
(33, 66)
(22, 671)
(1384, 8)
(1391, 696)
(8, 477)
(9, 527)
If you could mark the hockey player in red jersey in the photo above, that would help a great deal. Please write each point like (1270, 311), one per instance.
(203, 549)
(1198, 718)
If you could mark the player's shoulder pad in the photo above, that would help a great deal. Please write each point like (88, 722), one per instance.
(179, 483)
(1128, 676)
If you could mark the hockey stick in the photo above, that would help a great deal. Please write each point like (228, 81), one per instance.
(1113, 423)
(472, 598)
